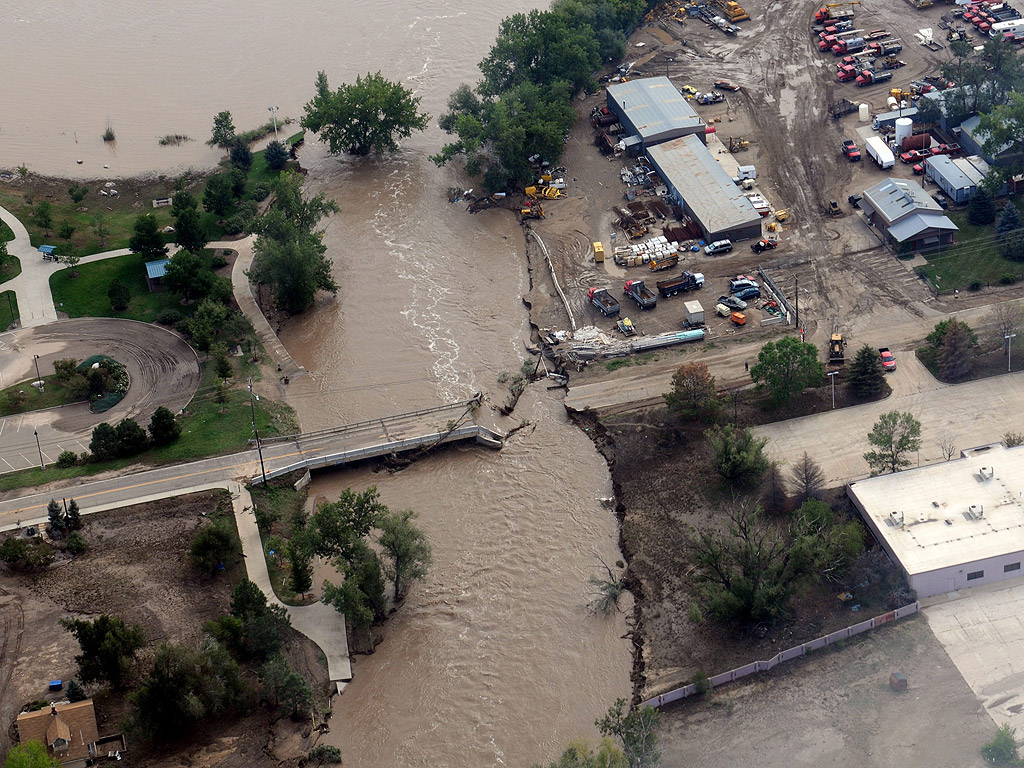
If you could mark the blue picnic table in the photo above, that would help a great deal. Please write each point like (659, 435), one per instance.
(48, 252)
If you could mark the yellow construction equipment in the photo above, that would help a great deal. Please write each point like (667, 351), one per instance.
(531, 209)
(781, 214)
(738, 145)
(836, 349)
(733, 11)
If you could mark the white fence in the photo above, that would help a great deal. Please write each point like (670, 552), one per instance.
(787, 655)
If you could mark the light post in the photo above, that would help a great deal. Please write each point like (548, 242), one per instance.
(273, 111)
(259, 445)
(832, 375)
(36, 359)
(1009, 348)
(39, 448)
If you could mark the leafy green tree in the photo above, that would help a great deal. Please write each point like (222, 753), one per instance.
(895, 435)
(120, 295)
(807, 478)
(406, 548)
(131, 438)
(982, 208)
(30, 754)
(360, 596)
(24, 555)
(186, 274)
(635, 731)
(326, 753)
(6, 259)
(787, 367)
(219, 194)
(693, 395)
(164, 429)
(241, 155)
(206, 324)
(75, 692)
(300, 567)
(339, 527)
(183, 200)
(43, 214)
(295, 271)
(223, 134)
(579, 754)
(284, 688)
(146, 239)
(866, 377)
(74, 516)
(263, 626)
(738, 456)
(189, 231)
(66, 231)
(369, 116)
(276, 156)
(108, 647)
(1002, 749)
(77, 192)
(213, 545)
(297, 210)
(55, 521)
(956, 363)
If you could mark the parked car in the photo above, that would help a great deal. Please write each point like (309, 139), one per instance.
(753, 292)
(888, 359)
(732, 302)
(740, 284)
(854, 200)
(763, 245)
(726, 85)
(719, 246)
(941, 200)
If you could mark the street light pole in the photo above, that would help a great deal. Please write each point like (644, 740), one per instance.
(1009, 348)
(36, 358)
(259, 445)
(39, 448)
(832, 375)
(273, 111)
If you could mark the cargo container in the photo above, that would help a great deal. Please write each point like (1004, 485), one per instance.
(879, 151)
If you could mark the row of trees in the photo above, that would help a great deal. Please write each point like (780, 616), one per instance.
(129, 439)
(522, 106)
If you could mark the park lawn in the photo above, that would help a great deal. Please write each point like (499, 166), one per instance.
(8, 309)
(6, 233)
(54, 393)
(975, 258)
(10, 270)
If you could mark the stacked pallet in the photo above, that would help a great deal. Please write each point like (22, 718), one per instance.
(638, 254)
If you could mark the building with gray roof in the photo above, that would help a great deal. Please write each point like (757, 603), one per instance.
(653, 109)
(907, 214)
(959, 178)
(697, 182)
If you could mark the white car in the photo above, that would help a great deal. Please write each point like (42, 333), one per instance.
(719, 246)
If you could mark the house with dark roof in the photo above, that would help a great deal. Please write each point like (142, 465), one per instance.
(907, 215)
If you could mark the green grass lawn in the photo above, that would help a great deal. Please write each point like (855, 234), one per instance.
(8, 309)
(6, 233)
(974, 259)
(54, 393)
(10, 270)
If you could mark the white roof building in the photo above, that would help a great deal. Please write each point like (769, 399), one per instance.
(951, 525)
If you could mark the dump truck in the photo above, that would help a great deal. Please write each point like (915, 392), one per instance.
(841, 108)
(644, 297)
(867, 77)
(687, 281)
(606, 304)
(850, 151)
(663, 262)
(834, 12)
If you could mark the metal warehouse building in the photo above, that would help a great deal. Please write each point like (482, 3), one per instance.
(951, 525)
(698, 183)
(958, 178)
(653, 110)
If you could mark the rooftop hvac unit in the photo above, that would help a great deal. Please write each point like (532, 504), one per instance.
(977, 511)
(987, 473)
(896, 518)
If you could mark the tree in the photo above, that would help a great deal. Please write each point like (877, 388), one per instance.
(131, 438)
(300, 567)
(104, 444)
(369, 116)
(164, 429)
(241, 155)
(221, 364)
(1006, 318)
(635, 730)
(30, 754)
(406, 549)
(74, 516)
(579, 754)
(284, 688)
(1009, 219)
(212, 545)
(807, 478)
(1002, 749)
(894, 435)
(223, 133)
(55, 521)
(6, 259)
(108, 647)
(361, 594)
(295, 271)
(738, 455)
(186, 274)
(218, 195)
(982, 209)
(263, 626)
(75, 692)
(276, 155)
(24, 555)
(120, 295)
(189, 231)
(325, 753)
(693, 395)
(77, 192)
(955, 360)
(65, 368)
(786, 367)
(866, 377)
(182, 201)
(146, 238)
(44, 214)
(66, 231)
(100, 228)
(947, 445)
(206, 324)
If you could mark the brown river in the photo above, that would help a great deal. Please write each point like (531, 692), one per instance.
(494, 658)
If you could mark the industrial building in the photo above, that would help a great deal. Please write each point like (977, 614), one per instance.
(951, 525)
(959, 178)
(652, 110)
(972, 139)
(697, 182)
(907, 214)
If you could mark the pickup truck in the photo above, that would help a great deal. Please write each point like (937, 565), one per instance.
(607, 304)
(888, 359)
(664, 262)
(687, 281)
(644, 297)
(851, 151)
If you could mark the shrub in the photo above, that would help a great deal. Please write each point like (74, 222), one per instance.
(235, 225)
(77, 544)
(212, 545)
(67, 459)
(325, 753)
(1008, 279)
(1013, 439)
(170, 317)
(119, 294)
(1002, 750)
(975, 285)
(65, 368)
(217, 261)
(26, 555)
(259, 191)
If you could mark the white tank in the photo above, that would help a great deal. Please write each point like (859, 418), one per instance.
(904, 129)
(892, 103)
(864, 113)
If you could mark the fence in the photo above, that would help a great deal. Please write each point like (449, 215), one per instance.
(778, 295)
(788, 655)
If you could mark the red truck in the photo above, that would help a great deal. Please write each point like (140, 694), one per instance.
(867, 77)
(888, 359)
(846, 73)
(851, 151)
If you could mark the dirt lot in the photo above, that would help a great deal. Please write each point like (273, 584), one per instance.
(136, 568)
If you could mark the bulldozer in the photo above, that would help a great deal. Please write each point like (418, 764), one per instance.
(836, 348)
(733, 11)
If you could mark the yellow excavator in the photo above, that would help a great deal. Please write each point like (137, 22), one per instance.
(836, 347)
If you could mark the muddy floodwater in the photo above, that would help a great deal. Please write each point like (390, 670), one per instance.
(493, 659)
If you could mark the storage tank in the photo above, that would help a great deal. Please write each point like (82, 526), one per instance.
(864, 113)
(892, 103)
(904, 128)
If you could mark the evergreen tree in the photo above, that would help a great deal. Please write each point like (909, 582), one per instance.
(982, 209)
(808, 478)
(163, 427)
(74, 516)
(955, 360)
(241, 155)
(120, 295)
(56, 523)
(1010, 229)
(301, 568)
(866, 378)
(1009, 220)
(75, 692)
(276, 156)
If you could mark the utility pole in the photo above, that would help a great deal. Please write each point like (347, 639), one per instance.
(796, 290)
(39, 448)
(832, 375)
(259, 445)
(273, 111)
(1009, 348)
(36, 359)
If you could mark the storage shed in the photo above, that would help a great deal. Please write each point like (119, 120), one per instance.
(155, 271)
(959, 179)
(700, 185)
(653, 110)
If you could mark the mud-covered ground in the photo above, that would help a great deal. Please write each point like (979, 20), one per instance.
(137, 568)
